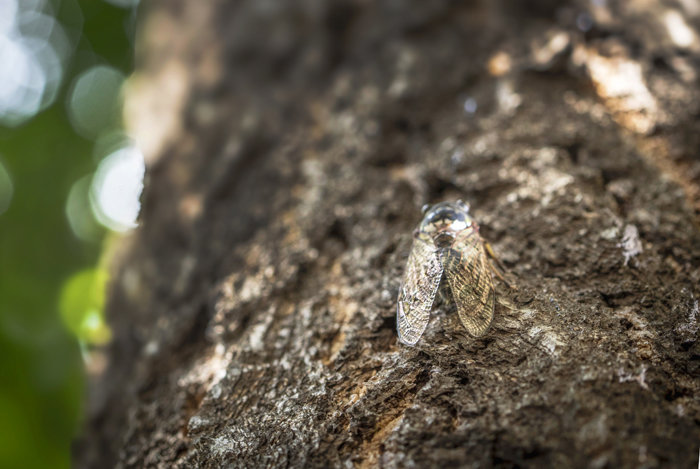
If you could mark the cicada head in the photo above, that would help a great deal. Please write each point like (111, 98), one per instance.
(444, 220)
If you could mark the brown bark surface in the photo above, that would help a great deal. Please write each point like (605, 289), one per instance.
(293, 145)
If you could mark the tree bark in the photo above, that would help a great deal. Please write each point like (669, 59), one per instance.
(290, 148)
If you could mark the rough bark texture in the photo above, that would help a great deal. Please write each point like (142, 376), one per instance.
(254, 309)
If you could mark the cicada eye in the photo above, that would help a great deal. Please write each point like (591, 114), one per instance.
(425, 208)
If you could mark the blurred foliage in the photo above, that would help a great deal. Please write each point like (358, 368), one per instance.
(82, 305)
(51, 286)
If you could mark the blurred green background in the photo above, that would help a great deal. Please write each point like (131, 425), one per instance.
(69, 179)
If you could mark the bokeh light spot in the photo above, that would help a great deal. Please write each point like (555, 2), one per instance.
(93, 103)
(116, 189)
(82, 304)
(470, 105)
(79, 213)
(109, 142)
(584, 21)
(8, 16)
(33, 50)
(22, 82)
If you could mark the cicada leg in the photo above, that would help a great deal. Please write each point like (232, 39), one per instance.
(496, 266)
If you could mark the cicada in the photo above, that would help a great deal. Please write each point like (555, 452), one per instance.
(447, 245)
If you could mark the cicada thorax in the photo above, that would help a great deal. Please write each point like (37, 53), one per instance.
(444, 223)
(445, 219)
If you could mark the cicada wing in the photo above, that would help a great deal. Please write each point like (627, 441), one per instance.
(418, 289)
(467, 272)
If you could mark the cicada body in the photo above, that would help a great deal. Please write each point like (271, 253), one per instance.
(446, 247)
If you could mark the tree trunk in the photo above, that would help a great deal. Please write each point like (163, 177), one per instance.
(290, 148)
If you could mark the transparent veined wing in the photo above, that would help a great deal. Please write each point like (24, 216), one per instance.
(420, 284)
(469, 276)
